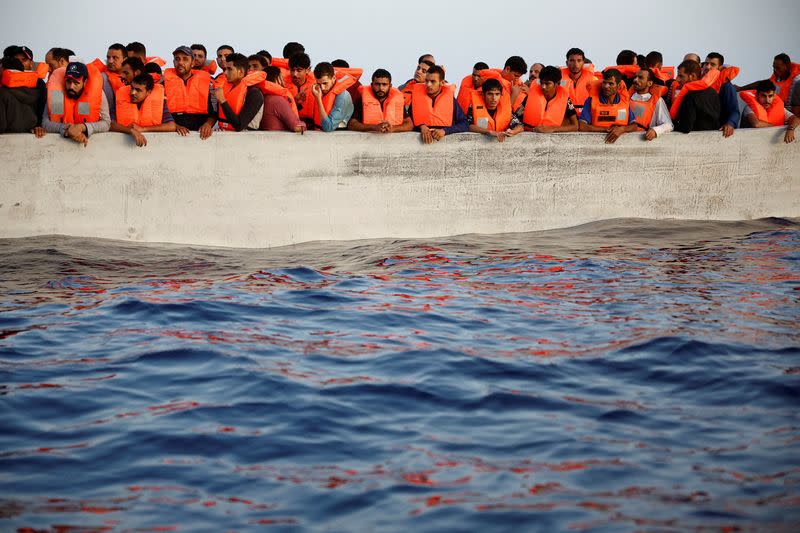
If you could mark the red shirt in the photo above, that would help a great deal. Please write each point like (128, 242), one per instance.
(278, 115)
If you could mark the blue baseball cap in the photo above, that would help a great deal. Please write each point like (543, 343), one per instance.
(76, 71)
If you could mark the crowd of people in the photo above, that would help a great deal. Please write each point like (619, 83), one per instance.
(133, 93)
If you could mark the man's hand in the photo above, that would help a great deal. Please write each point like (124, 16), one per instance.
(427, 134)
(499, 135)
(788, 137)
(650, 135)
(727, 130)
(300, 128)
(205, 131)
(75, 129)
(544, 129)
(182, 130)
(613, 134)
(137, 135)
(383, 127)
(39, 132)
(316, 91)
(219, 94)
(437, 134)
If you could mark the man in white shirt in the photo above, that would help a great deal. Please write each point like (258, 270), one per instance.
(651, 115)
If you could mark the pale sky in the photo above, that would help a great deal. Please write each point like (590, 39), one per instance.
(393, 34)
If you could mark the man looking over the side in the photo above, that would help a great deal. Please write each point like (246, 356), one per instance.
(188, 95)
(381, 108)
(434, 109)
(577, 77)
(240, 103)
(257, 63)
(728, 98)
(470, 84)
(696, 106)
(333, 105)
(141, 107)
(548, 107)
(785, 76)
(419, 78)
(199, 55)
(651, 112)
(491, 113)
(299, 82)
(609, 110)
(765, 109)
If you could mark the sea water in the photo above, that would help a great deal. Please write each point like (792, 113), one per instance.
(624, 375)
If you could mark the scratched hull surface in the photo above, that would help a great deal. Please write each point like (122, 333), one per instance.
(622, 375)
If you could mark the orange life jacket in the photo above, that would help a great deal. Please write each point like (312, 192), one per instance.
(342, 83)
(408, 91)
(465, 91)
(579, 90)
(610, 114)
(19, 78)
(698, 85)
(209, 66)
(155, 59)
(664, 73)
(782, 88)
(276, 89)
(726, 74)
(497, 74)
(236, 95)
(114, 79)
(149, 114)
(643, 110)
(282, 63)
(41, 69)
(540, 112)
(627, 71)
(68, 111)
(502, 115)
(375, 112)
(305, 105)
(436, 114)
(190, 97)
(775, 114)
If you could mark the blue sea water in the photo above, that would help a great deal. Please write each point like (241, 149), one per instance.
(628, 375)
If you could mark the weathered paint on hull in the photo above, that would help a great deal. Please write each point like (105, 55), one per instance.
(273, 189)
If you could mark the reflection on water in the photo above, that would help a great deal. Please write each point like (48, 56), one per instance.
(629, 374)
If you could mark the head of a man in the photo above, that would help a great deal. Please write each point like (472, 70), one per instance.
(325, 76)
(199, 54)
(131, 67)
(714, 61)
(256, 63)
(549, 80)
(340, 63)
(575, 60)
(25, 54)
(299, 68)
(136, 49)
(765, 93)
(11, 63)
(610, 85)
(75, 79)
(492, 92)
(514, 68)
(291, 48)
(643, 81)
(422, 70)
(274, 75)
(627, 57)
(691, 56)
(57, 58)
(266, 55)
(781, 66)
(434, 80)
(477, 80)
(688, 71)
(222, 53)
(183, 61)
(141, 87)
(235, 67)
(381, 83)
(115, 55)
(654, 59)
(426, 57)
(536, 69)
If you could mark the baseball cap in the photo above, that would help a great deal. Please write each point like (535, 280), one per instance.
(77, 71)
(183, 50)
(25, 50)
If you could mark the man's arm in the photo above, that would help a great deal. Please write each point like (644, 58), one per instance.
(253, 101)
(729, 104)
(340, 113)
(460, 124)
(102, 125)
(687, 116)
(661, 122)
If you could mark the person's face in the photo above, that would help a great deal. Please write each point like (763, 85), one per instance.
(535, 70)
(713, 63)
(681, 77)
(199, 58)
(609, 87)
(575, 63)
(510, 75)
(299, 75)
(641, 82)
(419, 74)
(183, 64)
(114, 60)
(325, 84)
(779, 68)
(27, 63)
(492, 98)
(477, 81)
(254, 66)
(766, 98)
(73, 87)
(138, 93)
(433, 85)
(222, 55)
(232, 73)
(53, 63)
(127, 74)
(381, 87)
(548, 88)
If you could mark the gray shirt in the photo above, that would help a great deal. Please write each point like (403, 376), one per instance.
(100, 126)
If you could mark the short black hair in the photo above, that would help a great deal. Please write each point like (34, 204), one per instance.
(340, 63)
(273, 73)
(136, 48)
(550, 73)
(626, 57)
(239, 61)
(783, 58)
(324, 69)
(492, 84)
(381, 73)
(436, 69)
(292, 48)
(430, 64)
(653, 59)
(612, 73)
(651, 76)
(118, 46)
(690, 66)
(576, 51)
(11, 51)
(144, 79)
(225, 47)
(516, 64)
(261, 60)
(199, 47)
(716, 55)
(61, 53)
(152, 68)
(12, 63)
(765, 86)
(135, 63)
(299, 60)
(480, 65)
(266, 54)
(422, 58)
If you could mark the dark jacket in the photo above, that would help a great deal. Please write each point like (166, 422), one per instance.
(700, 110)
(18, 109)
